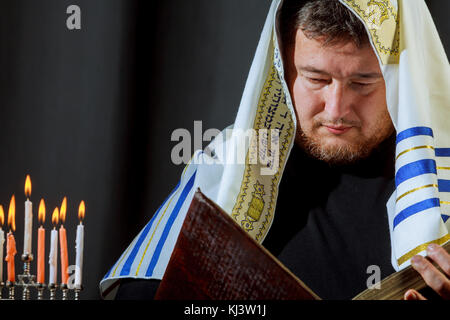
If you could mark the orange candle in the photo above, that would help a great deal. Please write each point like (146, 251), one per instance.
(64, 256)
(41, 244)
(10, 253)
(63, 244)
(41, 253)
(11, 242)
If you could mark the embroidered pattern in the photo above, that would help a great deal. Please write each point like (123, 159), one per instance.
(254, 210)
(382, 21)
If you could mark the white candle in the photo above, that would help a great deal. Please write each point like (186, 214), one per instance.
(53, 258)
(79, 246)
(2, 241)
(28, 227)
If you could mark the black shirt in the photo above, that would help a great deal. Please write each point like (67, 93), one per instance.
(330, 224)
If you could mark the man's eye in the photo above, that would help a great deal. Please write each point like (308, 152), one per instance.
(361, 85)
(318, 81)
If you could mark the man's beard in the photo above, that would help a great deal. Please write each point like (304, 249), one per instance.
(348, 152)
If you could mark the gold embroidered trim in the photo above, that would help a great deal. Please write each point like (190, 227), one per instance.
(272, 113)
(382, 21)
(416, 189)
(275, 180)
(421, 248)
(412, 149)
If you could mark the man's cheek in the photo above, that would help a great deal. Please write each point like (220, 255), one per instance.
(306, 121)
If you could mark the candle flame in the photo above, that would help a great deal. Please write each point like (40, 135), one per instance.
(55, 216)
(12, 214)
(2, 215)
(28, 186)
(63, 210)
(41, 214)
(81, 210)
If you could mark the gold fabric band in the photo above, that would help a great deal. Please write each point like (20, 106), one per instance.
(412, 149)
(421, 248)
(416, 189)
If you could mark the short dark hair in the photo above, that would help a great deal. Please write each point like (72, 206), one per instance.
(327, 19)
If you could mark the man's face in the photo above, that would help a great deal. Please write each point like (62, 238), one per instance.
(339, 96)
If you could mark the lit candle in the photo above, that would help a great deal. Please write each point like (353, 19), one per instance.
(10, 253)
(28, 218)
(63, 243)
(11, 242)
(79, 245)
(41, 244)
(53, 257)
(2, 241)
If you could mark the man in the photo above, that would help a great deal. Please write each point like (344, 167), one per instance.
(353, 141)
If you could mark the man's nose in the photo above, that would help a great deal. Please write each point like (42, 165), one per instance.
(336, 104)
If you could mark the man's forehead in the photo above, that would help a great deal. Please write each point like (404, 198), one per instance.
(344, 57)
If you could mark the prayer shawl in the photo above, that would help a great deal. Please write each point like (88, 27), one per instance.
(417, 76)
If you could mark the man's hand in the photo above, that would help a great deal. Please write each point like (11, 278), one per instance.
(436, 280)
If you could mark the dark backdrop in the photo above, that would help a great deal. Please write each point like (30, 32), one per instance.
(89, 113)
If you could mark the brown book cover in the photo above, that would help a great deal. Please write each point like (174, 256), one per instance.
(215, 259)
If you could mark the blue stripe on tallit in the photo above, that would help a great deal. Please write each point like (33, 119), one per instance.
(442, 152)
(445, 218)
(127, 266)
(444, 185)
(169, 224)
(412, 132)
(415, 169)
(416, 208)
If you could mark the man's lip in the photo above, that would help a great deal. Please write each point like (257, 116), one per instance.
(337, 129)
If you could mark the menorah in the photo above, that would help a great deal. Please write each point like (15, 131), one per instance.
(30, 282)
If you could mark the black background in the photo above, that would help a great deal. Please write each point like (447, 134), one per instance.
(89, 113)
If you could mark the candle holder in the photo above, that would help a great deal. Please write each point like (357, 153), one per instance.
(26, 280)
(40, 287)
(64, 290)
(77, 292)
(52, 288)
(10, 286)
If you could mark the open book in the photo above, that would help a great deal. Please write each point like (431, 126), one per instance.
(214, 258)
